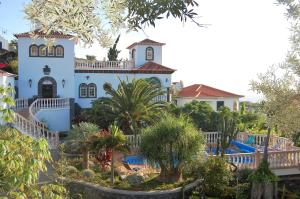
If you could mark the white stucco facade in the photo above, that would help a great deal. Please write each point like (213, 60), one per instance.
(231, 103)
(113, 78)
(31, 68)
(140, 54)
(56, 119)
(67, 77)
(3, 43)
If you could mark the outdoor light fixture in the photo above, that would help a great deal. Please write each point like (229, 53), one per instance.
(87, 77)
(63, 82)
(30, 82)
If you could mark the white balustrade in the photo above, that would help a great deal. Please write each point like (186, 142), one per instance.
(134, 142)
(243, 160)
(21, 103)
(83, 64)
(160, 98)
(30, 128)
(39, 128)
(211, 137)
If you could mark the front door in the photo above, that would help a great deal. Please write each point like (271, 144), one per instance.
(47, 91)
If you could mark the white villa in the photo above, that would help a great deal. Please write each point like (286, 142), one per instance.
(213, 96)
(52, 83)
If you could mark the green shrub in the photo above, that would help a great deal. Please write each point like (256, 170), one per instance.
(71, 170)
(243, 175)
(88, 173)
(263, 174)
(216, 176)
(243, 191)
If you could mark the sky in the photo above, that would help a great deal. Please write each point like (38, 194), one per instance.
(242, 38)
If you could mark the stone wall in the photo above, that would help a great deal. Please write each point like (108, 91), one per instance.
(88, 191)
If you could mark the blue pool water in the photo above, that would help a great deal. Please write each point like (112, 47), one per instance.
(135, 159)
(238, 147)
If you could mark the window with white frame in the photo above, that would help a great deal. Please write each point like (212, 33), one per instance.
(59, 51)
(33, 51)
(42, 51)
(92, 90)
(149, 53)
(83, 90)
(51, 51)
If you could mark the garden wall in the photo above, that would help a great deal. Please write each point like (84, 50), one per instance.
(94, 191)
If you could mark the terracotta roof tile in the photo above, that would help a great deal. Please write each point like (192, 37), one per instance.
(53, 34)
(203, 91)
(154, 67)
(146, 42)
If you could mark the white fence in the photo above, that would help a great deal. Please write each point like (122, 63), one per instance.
(83, 64)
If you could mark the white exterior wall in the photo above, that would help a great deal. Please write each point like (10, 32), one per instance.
(56, 119)
(32, 68)
(140, 54)
(228, 102)
(4, 43)
(113, 78)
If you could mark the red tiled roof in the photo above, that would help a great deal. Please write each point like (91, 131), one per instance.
(52, 34)
(154, 67)
(6, 74)
(200, 90)
(146, 42)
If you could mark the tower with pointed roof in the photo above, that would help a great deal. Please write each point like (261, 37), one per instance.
(145, 51)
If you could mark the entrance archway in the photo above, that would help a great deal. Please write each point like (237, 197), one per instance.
(47, 87)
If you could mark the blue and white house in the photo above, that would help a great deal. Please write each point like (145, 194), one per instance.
(52, 81)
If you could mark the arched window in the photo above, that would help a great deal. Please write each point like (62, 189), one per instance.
(51, 51)
(33, 51)
(92, 90)
(154, 81)
(83, 90)
(149, 53)
(59, 51)
(42, 51)
(133, 54)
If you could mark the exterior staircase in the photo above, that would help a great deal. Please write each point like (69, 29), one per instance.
(27, 123)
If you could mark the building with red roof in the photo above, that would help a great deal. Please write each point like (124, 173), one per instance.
(50, 70)
(215, 97)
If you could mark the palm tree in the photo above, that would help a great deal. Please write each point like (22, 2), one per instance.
(116, 141)
(133, 103)
(81, 137)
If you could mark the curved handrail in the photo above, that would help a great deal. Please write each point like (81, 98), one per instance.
(46, 103)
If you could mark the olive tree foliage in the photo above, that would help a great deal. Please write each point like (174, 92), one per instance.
(280, 84)
(22, 158)
(173, 143)
(101, 20)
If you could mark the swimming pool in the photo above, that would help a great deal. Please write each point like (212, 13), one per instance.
(236, 147)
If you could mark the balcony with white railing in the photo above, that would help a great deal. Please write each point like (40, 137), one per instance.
(84, 64)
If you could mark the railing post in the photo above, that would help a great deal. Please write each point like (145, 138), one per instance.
(257, 159)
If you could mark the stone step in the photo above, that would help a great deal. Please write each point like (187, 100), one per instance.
(24, 112)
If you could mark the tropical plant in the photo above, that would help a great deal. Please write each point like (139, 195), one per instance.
(172, 143)
(227, 128)
(113, 52)
(97, 114)
(81, 137)
(216, 176)
(115, 141)
(200, 112)
(133, 104)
